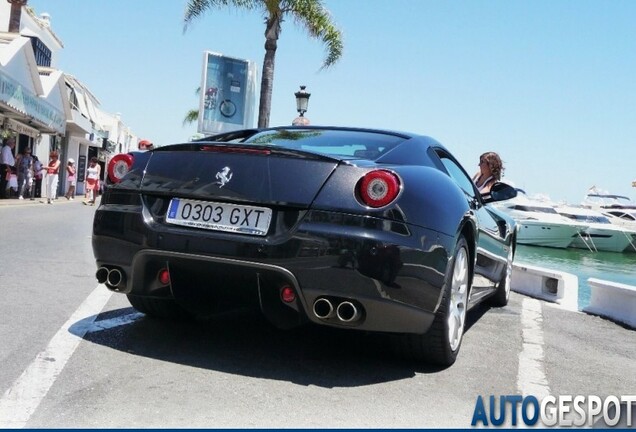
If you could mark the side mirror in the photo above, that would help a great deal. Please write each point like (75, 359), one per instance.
(501, 192)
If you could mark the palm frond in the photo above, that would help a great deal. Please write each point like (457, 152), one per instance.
(312, 15)
(191, 117)
(196, 8)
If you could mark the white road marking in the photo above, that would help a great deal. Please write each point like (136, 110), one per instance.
(531, 378)
(115, 322)
(21, 400)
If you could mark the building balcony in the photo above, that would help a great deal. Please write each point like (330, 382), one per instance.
(78, 124)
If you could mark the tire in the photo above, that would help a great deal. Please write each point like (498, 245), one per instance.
(158, 307)
(502, 294)
(440, 345)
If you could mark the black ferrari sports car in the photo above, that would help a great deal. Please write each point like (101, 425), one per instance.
(353, 228)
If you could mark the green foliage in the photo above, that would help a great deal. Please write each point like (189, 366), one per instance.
(191, 117)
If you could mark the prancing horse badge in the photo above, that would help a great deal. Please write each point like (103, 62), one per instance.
(223, 176)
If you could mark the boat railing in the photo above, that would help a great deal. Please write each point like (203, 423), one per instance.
(630, 239)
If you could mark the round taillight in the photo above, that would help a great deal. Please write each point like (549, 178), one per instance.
(287, 294)
(378, 188)
(164, 276)
(119, 166)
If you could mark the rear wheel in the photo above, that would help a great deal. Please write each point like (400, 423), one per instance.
(158, 307)
(502, 295)
(440, 345)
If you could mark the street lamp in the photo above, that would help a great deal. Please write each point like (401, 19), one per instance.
(302, 101)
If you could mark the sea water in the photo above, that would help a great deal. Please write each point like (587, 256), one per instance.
(609, 266)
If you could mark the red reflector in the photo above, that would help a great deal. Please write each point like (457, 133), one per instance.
(164, 276)
(288, 294)
(226, 149)
(119, 166)
(378, 188)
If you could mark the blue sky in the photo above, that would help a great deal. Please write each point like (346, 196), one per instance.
(548, 84)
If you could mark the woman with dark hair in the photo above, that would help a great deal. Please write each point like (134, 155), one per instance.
(24, 164)
(38, 172)
(490, 171)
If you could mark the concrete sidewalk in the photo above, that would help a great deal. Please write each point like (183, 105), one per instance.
(11, 202)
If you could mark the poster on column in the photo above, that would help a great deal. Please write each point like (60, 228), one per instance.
(227, 94)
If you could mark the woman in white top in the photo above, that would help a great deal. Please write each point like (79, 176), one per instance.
(490, 170)
(92, 181)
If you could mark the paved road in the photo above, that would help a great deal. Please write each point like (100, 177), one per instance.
(73, 355)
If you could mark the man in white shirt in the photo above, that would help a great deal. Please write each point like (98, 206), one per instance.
(6, 162)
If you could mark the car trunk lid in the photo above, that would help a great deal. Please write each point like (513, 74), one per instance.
(237, 173)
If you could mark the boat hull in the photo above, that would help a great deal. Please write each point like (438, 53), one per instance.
(546, 234)
(603, 239)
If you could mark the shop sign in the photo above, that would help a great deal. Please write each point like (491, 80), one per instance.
(81, 168)
(20, 128)
(15, 95)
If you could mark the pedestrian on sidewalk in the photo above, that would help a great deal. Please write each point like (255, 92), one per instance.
(38, 174)
(92, 181)
(52, 177)
(70, 179)
(7, 160)
(24, 163)
(12, 189)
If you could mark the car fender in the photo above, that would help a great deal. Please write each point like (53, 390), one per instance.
(428, 197)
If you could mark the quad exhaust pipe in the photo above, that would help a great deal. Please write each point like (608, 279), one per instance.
(114, 278)
(345, 311)
(323, 308)
(102, 275)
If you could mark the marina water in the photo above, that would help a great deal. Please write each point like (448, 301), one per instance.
(609, 266)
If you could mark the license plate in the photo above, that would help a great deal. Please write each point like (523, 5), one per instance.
(219, 216)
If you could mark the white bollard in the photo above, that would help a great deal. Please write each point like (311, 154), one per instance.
(546, 284)
(612, 300)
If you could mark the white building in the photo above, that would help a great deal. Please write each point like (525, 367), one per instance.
(45, 108)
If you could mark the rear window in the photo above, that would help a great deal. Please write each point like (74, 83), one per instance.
(341, 143)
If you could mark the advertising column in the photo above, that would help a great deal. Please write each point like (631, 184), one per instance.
(227, 94)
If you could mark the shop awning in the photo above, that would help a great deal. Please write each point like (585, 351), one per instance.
(23, 101)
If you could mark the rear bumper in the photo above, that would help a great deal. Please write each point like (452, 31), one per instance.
(392, 277)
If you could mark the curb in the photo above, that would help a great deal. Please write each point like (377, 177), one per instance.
(12, 202)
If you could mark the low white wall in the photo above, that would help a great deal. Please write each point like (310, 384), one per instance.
(546, 284)
(612, 300)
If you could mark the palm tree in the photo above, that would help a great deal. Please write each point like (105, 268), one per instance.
(193, 114)
(310, 14)
(191, 117)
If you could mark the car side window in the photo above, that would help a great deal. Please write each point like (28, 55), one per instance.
(457, 174)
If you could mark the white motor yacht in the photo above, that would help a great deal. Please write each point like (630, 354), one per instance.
(539, 224)
(623, 217)
(600, 200)
(620, 210)
(600, 234)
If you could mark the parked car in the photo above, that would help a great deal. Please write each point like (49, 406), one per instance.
(352, 228)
